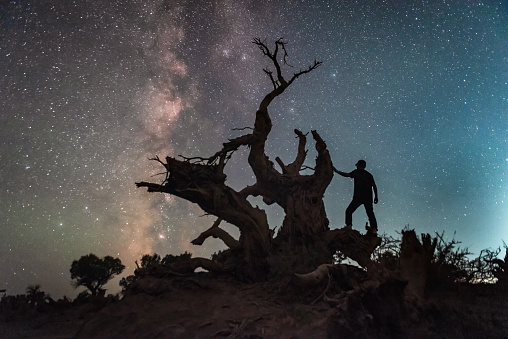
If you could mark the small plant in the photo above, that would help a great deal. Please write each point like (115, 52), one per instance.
(481, 269)
(450, 262)
(388, 252)
(500, 268)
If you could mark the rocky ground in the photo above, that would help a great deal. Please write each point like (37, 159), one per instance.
(204, 306)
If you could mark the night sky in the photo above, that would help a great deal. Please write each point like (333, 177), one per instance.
(89, 90)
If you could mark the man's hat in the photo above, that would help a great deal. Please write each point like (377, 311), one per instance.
(361, 163)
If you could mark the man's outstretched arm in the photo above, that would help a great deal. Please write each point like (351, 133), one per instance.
(344, 174)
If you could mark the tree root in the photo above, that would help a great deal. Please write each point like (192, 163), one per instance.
(236, 330)
(328, 287)
(315, 277)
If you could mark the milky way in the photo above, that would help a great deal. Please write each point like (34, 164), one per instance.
(91, 90)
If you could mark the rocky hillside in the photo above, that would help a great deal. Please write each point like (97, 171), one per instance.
(203, 305)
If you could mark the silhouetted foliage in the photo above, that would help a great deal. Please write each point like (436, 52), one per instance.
(35, 295)
(82, 297)
(125, 282)
(500, 268)
(481, 269)
(388, 252)
(93, 273)
(170, 259)
(150, 260)
(450, 263)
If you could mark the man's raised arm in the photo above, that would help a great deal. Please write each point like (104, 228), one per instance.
(344, 174)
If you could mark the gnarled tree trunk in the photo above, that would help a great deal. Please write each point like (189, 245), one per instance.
(303, 242)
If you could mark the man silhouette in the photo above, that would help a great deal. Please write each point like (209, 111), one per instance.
(364, 184)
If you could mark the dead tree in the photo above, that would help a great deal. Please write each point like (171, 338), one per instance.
(304, 241)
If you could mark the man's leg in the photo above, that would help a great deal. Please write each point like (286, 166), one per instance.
(349, 212)
(370, 213)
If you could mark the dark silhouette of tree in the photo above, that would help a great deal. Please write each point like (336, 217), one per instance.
(35, 295)
(304, 240)
(93, 273)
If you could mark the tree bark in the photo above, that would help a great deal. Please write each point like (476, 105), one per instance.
(204, 185)
(216, 232)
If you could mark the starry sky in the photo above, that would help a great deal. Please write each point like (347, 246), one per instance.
(90, 90)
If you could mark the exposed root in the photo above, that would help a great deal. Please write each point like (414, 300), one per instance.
(328, 287)
(236, 330)
(315, 277)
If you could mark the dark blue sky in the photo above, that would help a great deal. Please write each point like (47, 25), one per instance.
(91, 90)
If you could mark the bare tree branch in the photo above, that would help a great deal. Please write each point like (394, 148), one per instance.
(217, 232)
(295, 167)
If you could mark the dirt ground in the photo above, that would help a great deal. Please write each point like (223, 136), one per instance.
(220, 307)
